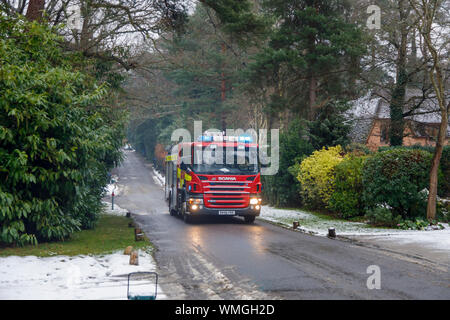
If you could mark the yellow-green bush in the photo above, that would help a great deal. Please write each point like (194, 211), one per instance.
(347, 197)
(316, 175)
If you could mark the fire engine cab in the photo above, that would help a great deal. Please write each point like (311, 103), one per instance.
(217, 175)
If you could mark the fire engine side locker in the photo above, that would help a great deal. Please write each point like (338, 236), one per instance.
(171, 181)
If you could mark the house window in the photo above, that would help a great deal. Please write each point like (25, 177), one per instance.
(384, 133)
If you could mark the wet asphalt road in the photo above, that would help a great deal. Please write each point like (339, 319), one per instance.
(227, 259)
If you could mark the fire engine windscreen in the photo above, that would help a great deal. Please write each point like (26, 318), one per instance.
(214, 159)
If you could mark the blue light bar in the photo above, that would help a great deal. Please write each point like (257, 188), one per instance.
(205, 138)
(242, 139)
(245, 139)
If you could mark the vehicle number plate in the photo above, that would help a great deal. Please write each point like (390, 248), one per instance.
(227, 213)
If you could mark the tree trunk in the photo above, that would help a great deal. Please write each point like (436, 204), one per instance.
(222, 89)
(431, 206)
(312, 96)
(398, 94)
(35, 10)
(426, 15)
(397, 124)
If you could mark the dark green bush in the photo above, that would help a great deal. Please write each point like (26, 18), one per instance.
(330, 127)
(394, 178)
(283, 189)
(56, 143)
(347, 196)
(418, 224)
(444, 180)
(357, 149)
(445, 168)
(380, 216)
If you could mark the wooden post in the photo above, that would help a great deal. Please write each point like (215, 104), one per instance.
(134, 258)
(138, 234)
(331, 233)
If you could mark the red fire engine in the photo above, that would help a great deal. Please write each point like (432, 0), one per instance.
(217, 176)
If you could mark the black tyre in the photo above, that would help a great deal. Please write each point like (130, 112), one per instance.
(187, 218)
(249, 219)
(171, 211)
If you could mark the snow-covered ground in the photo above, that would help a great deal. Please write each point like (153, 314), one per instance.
(73, 278)
(158, 178)
(118, 211)
(436, 239)
(114, 187)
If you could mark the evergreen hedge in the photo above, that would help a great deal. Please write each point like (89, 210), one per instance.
(56, 143)
(395, 178)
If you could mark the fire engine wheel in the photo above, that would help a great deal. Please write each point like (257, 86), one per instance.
(249, 219)
(171, 211)
(186, 217)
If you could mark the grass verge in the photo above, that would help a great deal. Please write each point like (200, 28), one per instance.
(111, 234)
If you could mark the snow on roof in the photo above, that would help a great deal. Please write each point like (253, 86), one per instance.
(370, 106)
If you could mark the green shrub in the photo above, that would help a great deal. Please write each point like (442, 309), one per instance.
(330, 127)
(347, 196)
(395, 178)
(357, 149)
(56, 142)
(444, 179)
(380, 216)
(316, 176)
(418, 224)
(283, 189)
(445, 168)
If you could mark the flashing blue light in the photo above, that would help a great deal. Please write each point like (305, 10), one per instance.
(205, 138)
(245, 139)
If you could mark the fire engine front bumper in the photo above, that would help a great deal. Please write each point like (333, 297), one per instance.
(204, 211)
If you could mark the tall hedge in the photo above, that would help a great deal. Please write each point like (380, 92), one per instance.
(347, 198)
(283, 188)
(56, 143)
(444, 180)
(395, 179)
(317, 176)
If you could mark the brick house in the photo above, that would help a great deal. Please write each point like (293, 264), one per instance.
(372, 121)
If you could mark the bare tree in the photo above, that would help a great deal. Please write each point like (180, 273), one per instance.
(426, 11)
(110, 30)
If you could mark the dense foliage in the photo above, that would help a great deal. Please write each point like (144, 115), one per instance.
(311, 55)
(347, 196)
(395, 179)
(283, 188)
(316, 175)
(57, 141)
(444, 180)
(330, 127)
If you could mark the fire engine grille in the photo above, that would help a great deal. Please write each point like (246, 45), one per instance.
(218, 200)
(227, 184)
(226, 194)
(226, 189)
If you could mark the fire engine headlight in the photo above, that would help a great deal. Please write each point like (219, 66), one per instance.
(195, 201)
(194, 207)
(255, 201)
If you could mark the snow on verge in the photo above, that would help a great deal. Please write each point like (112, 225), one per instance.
(118, 211)
(310, 223)
(158, 178)
(71, 278)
